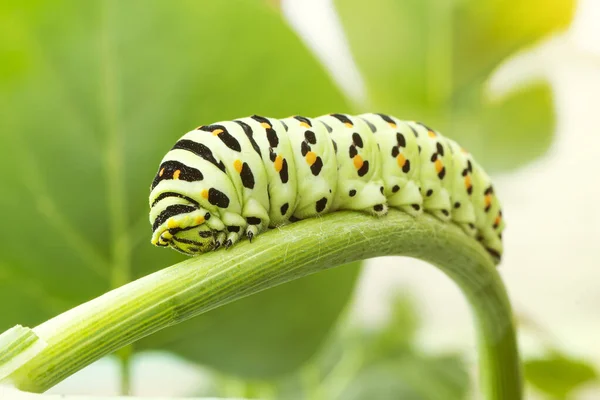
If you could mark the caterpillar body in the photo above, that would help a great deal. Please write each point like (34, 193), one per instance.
(235, 179)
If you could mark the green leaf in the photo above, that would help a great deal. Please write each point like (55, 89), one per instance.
(430, 60)
(412, 377)
(559, 376)
(92, 95)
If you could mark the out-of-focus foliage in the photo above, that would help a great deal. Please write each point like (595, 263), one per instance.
(559, 376)
(381, 363)
(92, 95)
(429, 60)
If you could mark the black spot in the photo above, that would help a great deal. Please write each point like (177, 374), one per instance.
(429, 193)
(233, 229)
(442, 173)
(387, 118)
(218, 198)
(471, 225)
(487, 208)
(352, 151)
(416, 207)
(372, 127)
(395, 151)
(362, 171)
(470, 190)
(494, 253)
(284, 125)
(426, 127)
(334, 146)
(378, 207)
(465, 172)
(320, 205)
(401, 140)
(469, 165)
(440, 148)
(186, 173)
(248, 131)
(329, 129)
(304, 148)
(406, 166)
(352, 193)
(342, 118)
(317, 166)
(294, 219)
(445, 212)
(381, 189)
(357, 140)
(205, 234)
(489, 190)
(434, 157)
(284, 208)
(310, 137)
(164, 195)
(253, 221)
(272, 154)
(457, 205)
(200, 150)
(495, 225)
(272, 137)
(206, 216)
(247, 176)
(419, 149)
(171, 211)
(225, 136)
(303, 119)
(283, 174)
(414, 131)
(395, 188)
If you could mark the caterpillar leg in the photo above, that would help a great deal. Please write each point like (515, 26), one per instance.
(257, 218)
(436, 201)
(405, 195)
(463, 213)
(361, 196)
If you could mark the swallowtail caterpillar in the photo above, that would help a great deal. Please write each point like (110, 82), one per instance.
(235, 179)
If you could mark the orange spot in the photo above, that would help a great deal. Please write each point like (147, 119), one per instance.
(305, 125)
(431, 134)
(217, 131)
(439, 165)
(348, 125)
(162, 171)
(199, 220)
(468, 181)
(488, 199)
(358, 161)
(401, 160)
(176, 174)
(265, 125)
(204, 194)
(393, 125)
(497, 220)
(464, 150)
(172, 224)
(237, 164)
(278, 163)
(311, 157)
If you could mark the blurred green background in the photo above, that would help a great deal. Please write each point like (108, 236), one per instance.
(92, 94)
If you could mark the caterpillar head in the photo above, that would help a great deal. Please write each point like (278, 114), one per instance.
(187, 233)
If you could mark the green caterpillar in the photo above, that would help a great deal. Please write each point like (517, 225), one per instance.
(232, 179)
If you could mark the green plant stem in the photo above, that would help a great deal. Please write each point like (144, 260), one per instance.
(84, 334)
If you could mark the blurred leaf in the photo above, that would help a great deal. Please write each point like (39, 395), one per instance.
(412, 377)
(92, 95)
(559, 376)
(429, 60)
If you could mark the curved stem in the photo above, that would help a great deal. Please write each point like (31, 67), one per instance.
(172, 295)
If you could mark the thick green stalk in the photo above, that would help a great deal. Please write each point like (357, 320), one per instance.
(82, 335)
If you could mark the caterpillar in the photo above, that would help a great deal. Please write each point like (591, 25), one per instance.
(234, 179)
